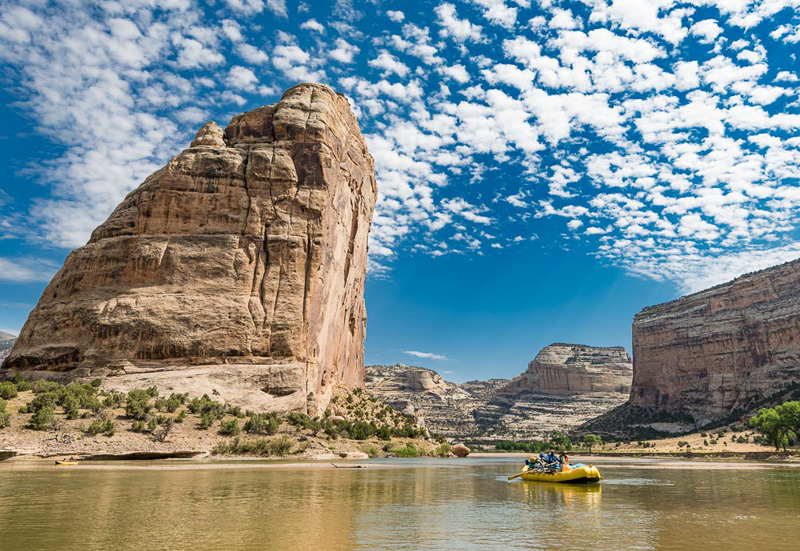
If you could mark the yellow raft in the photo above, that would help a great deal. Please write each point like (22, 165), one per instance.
(61, 462)
(577, 475)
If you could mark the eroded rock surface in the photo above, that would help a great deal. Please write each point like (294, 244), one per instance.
(718, 351)
(248, 248)
(6, 342)
(565, 386)
(566, 368)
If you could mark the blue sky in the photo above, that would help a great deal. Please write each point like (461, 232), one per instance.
(545, 168)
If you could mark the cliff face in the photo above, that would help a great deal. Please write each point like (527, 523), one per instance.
(566, 368)
(565, 386)
(249, 248)
(719, 350)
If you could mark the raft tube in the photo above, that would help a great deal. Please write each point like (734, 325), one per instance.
(577, 475)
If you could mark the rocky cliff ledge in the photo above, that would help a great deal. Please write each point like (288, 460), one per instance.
(565, 368)
(240, 264)
(718, 351)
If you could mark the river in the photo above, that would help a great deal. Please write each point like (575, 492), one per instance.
(398, 504)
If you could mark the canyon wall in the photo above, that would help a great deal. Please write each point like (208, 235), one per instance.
(565, 368)
(240, 263)
(564, 386)
(718, 351)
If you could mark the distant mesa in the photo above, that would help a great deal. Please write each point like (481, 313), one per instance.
(564, 386)
(6, 343)
(714, 353)
(238, 266)
(567, 368)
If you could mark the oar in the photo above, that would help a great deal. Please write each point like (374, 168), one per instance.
(516, 475)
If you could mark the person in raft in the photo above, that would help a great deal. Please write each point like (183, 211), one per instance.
(563, 459)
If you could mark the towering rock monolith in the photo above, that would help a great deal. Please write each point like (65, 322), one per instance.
(238, 267)
(716, 352)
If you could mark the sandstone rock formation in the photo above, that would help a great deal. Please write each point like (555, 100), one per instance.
(718, 351)
(460, 450)
(565, 386)
(564, 368)
(241, 263)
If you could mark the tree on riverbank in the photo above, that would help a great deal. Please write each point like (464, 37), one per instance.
(779, 424)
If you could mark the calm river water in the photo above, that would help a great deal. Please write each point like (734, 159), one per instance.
(412, 505)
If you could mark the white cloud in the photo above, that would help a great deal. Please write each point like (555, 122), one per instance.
(344, 51)
(389, 64)
(425, 355)
(396, 16)
(241, 78)
(708, 30)
(313, 25)
(253, 55)
(26, 270)
(461, 30)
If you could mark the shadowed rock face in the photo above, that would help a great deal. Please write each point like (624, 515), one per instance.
(248, 248)
(568, 368)
(719, 350)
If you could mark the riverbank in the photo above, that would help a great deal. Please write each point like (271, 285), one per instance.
(46, 420)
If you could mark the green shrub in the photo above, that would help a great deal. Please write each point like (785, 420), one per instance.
(262, 423)
(137, 426)
(8, 390)
(160, 404)
(5, 418)
(42, 386)
(230, 428)
(207, 419)
(282, 445)
(44, 418)
(371, 450)
(43, 400)
(262, 447)
(152, 424)
(107, 427)
(175, 401)
(207, 405)
(181, 416)
(409, 450)
(20, 382)
(114, 399)
(137, 405)
(443, 450)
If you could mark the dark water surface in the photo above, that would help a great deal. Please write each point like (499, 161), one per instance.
(409, 505)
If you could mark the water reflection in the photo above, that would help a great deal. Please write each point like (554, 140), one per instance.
(418, 506)
(562, 495)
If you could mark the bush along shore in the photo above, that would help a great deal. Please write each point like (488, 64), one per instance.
(770, 435)
(49, 419)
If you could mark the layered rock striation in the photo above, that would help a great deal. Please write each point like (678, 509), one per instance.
(566, 368)
(716, 352)
(564, 386)
(247, 250)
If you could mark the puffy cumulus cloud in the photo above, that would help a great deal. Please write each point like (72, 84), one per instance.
(661, 134)
(708, 30)
(461, 30)
(344, 51)
(389, 64)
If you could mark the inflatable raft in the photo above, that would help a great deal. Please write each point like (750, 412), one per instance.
(579, 474)
(65, 462)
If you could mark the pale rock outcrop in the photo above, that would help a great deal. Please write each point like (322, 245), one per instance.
(239, 266)
(565, 386)
(567, 368)
(718, 351)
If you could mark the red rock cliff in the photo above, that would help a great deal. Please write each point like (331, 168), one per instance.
(719, 350)
(247, 249)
